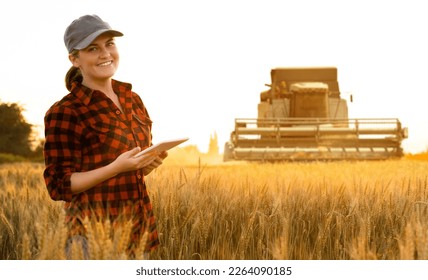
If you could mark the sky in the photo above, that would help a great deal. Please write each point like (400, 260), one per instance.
(198, 64)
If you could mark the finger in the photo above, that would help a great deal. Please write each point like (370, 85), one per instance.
(158, 161)
(149, 155)
(148, 160)
(155, 164)
(135, 151)
(163, 154)
(147, 171)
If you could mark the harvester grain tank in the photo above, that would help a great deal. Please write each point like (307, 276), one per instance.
(303, 117)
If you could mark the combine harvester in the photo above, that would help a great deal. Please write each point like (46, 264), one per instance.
(303, 117)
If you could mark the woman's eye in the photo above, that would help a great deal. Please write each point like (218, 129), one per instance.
(92, 49)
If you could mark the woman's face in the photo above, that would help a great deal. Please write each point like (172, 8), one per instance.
(98, 61)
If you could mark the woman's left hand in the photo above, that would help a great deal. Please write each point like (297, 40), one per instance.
(155, 164)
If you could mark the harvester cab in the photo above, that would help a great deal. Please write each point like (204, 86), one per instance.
(303, 117)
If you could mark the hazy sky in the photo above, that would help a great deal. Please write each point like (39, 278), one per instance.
(200, 64)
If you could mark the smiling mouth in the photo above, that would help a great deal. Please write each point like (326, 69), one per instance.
(107, 63)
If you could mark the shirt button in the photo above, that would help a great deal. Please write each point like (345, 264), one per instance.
(117, 112)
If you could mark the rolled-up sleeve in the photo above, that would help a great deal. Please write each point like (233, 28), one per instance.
(61, 151)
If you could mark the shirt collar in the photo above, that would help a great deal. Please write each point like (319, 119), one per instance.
(85, 94)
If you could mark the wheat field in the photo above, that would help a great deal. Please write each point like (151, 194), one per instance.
(234, 211)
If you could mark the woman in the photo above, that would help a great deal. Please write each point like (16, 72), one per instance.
(92, 135)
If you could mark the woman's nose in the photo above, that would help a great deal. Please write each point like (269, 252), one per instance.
(104, 53)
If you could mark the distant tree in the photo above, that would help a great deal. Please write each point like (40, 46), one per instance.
(15, 132)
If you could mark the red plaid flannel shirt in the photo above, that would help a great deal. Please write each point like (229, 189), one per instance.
(84, 131)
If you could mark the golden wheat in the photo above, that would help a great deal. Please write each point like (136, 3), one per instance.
(334, 210)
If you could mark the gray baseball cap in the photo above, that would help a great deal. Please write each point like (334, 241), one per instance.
(82, 31)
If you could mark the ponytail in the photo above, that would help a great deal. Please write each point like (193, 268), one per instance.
(73, 74)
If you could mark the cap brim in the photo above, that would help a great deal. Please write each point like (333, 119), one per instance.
(88, 40)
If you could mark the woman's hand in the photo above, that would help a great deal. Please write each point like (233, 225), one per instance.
(128, 162)
(82, 181)
(155, 164)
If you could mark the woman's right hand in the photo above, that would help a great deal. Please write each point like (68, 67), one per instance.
(127, 162)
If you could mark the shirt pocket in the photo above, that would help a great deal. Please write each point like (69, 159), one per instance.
(142, 127)
(107, 138)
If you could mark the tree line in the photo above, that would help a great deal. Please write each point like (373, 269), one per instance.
(17, 136)
(18, 139)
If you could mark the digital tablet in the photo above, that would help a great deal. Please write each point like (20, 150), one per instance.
(163, 146)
